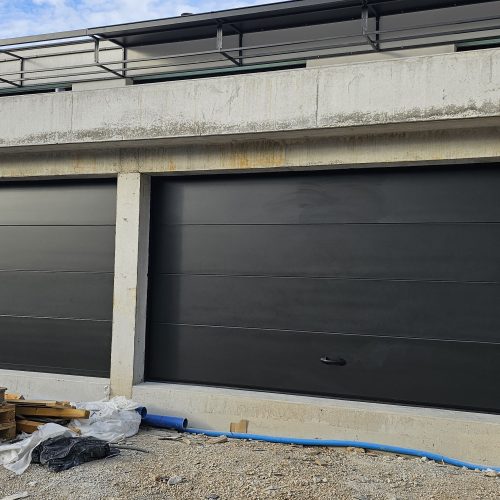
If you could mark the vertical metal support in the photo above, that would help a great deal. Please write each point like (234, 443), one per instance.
(102, 66)
(365, 27)
(240, 45)
(21, 72)
(96, 50)
(125, 57)
(21, 69)
(220, 34)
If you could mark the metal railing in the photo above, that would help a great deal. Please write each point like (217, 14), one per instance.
(368, 38)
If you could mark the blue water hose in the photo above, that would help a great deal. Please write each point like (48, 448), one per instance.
(177, 423)
(180, 424)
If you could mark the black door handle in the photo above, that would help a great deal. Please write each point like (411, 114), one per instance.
(336, 361)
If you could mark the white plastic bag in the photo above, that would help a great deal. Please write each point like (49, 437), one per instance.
(111, 421)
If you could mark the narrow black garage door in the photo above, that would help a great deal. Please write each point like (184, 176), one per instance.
(56, 276)
(378, 284)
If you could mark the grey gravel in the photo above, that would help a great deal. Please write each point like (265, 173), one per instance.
(239, 469)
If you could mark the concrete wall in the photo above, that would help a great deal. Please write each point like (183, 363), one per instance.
(452, 87)
(413, 111)
(463, 435)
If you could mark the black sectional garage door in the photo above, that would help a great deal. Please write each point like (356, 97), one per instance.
(377, 284)
(56, 276)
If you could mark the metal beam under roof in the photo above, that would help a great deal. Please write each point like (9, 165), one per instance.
(245, 19)
(294, 13)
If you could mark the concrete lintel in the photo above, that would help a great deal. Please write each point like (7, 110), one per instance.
(445, 146)
(468, 436)
(36, 385)
(130, 287)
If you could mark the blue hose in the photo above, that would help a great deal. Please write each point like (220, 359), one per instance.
(180, 424)
(176, 423)
(345, 444)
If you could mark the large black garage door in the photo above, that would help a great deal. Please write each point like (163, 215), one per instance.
(376, 284)
(56, 276)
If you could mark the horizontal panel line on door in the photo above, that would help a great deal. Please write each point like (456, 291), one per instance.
(53, 271)
(353, 223)
(340, 278)
(56, 318)
(57, 225)
(51, 369)
(314, 332)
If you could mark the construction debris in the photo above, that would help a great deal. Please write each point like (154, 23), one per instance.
(240, 427)
(7, 419)
(79, 427)
(63, 453)
(17, 496)
(42, 412)
(218, 440)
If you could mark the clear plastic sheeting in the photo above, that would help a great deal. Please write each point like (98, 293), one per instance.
(111, 421)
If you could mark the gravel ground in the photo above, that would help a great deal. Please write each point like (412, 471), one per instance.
(246, 470)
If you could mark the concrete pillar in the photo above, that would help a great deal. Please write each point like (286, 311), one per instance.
(130, 288)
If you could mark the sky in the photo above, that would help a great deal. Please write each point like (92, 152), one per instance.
(33, 17)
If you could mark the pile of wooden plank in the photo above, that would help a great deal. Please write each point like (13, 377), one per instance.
(7, 418)
(31, 414)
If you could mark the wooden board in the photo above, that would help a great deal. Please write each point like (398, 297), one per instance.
(28, 426)
(59, 412)
(239, 427)
(38, 402)
(10, 395)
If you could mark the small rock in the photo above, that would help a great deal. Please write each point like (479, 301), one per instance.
(313, 452)
(218, 440)
(161, 479)
(317, 480)
(174, 480)
(322, 463)
(212, 496)
(490, 473)
(424, 459)
(177, 437)
(353, 449)
(32, 483)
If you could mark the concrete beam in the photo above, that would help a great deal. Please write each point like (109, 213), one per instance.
(130, 286)
(453, 145)
(34, 385)
(106, 83)
(419, 90)
(468, 436)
